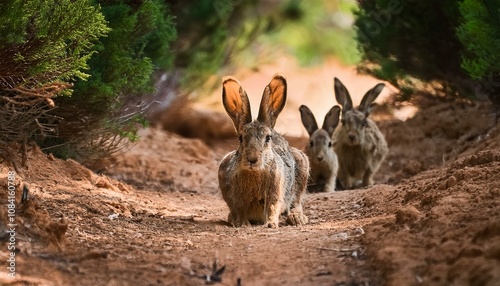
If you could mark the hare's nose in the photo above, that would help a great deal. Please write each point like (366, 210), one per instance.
(352, 137)
(320, 158)
(252, 159)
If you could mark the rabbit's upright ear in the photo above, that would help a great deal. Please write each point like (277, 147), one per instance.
(331, 120)
(273, 101)
(366, 106)
(342, 95)
(236, 103)
(308, 119)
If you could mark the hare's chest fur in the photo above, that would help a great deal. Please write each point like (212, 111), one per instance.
(255, 185)
(353, 158)
(251, 187)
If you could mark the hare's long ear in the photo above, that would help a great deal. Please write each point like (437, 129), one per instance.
(308, 119)
(342, 95)
(273, 101)
(236, 103)
(366, 106)
(331, 120)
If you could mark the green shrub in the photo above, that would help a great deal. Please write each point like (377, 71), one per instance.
(47, 41)
(43, 46)
(123, 66)
(479, 32)
(121, 71)
(448, 47)
(406, 42)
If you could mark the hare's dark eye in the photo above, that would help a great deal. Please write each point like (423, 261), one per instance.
(330, 144)
(268, 138)
(364, 123)
(240, 138)
(311, 144)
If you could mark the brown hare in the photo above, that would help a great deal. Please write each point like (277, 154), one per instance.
(322, 157)
(264, 176)
(359, 144)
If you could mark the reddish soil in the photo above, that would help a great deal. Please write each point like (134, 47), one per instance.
(156, 217)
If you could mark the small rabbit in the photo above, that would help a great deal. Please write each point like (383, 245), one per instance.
(359, 144)
(322, 157)
(264, 177)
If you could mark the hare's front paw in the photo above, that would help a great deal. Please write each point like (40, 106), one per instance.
(329, 189)
(296, 218)
(237, 222)
(271, 224)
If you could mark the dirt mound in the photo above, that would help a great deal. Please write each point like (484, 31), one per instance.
(446, 225)
(166, 161)
(50, 213)
(438, 134)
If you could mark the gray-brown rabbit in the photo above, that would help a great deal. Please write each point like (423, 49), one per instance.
(359, 144)
(264, 177)
(322, 157)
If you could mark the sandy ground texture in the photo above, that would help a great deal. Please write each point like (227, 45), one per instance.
(156, 216)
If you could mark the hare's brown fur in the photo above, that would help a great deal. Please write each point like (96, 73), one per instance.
(358, 142)
(264, 177)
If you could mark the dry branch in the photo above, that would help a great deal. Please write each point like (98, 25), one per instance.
(24, 114)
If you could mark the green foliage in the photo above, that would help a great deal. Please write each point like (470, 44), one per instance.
(120, 72)
(14, 19)
(480, 35)
(137, 44)
(46, 41)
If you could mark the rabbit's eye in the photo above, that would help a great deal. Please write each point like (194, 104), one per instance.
(311, 144)
(330, 144)
(240, 138)
(268, 138)
(364, 123)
